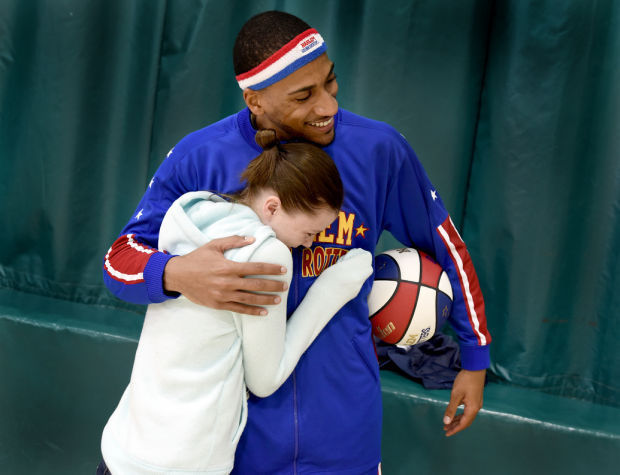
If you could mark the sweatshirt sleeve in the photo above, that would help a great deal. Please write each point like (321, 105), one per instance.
(271, 345)
(417, 217)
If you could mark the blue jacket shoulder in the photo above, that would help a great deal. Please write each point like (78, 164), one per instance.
(374, 137)
(207, 135)
(357, 124)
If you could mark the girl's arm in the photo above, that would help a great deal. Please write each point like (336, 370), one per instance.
(271, 345)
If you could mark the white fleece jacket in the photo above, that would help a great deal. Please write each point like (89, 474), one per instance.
(185, 406)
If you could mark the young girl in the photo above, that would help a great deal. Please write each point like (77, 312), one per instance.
(185, 406)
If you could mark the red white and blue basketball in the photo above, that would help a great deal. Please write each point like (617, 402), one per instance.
(411, 297)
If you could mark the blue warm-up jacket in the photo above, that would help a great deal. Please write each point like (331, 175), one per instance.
(326, 417)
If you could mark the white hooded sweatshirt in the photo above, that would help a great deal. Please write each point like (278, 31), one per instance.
(185, 406)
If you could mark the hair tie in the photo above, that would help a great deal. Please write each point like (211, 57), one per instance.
(267, 139)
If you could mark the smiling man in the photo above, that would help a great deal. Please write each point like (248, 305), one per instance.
(327, 416)
(295, 112)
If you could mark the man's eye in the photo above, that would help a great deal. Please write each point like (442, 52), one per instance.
(302, 99)
(332, 79)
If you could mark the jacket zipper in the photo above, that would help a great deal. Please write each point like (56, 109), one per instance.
(295, 410)
(295, 455)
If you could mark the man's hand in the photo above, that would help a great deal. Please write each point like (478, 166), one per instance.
(207, 278)
(468, 389)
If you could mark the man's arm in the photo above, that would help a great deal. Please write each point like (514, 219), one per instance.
(207, 278)
(138, 273)
(135, 270)
(427, 225)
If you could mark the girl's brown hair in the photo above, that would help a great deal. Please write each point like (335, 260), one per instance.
(303, 176)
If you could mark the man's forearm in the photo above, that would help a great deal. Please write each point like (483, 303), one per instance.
(133, 271)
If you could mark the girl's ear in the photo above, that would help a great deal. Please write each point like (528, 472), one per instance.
(271, 207)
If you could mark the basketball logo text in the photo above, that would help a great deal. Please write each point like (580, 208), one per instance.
(412, 339)
(383, 332)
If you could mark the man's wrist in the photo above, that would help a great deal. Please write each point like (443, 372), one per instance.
(168, 276)
(474, 358)
(154, 276)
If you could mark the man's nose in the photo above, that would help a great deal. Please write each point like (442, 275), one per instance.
(327, 105)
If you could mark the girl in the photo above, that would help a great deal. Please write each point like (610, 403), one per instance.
(185, 406)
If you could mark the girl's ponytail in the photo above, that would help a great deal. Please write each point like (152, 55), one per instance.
(262, 170)
(303, 175)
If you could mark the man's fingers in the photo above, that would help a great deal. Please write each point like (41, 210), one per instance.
(468, 390)
(260, 285)
(240, 302)
(454, 426)
(249, 303)
(226, 286)
(207, 278)
(245, 309)
(226, 299)
(230, 242)
(469, 414)
(224, 266)
(460, 421)
(248, 298)
(451, 410)
(258, 268)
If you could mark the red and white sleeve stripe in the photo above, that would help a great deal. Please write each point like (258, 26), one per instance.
(470, 286)
(126, 259)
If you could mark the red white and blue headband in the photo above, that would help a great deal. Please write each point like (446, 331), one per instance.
(293, 55)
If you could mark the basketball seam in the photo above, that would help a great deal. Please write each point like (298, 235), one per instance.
(416, 283)
(417, 295)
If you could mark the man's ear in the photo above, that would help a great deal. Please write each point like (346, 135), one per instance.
(253, 101)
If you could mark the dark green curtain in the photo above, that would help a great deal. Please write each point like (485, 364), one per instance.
(543, 206)
(512, 106)
(77, 83)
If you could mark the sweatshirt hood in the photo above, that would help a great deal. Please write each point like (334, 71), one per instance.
(198, 217)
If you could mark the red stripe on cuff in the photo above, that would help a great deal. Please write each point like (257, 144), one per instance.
(126, 259)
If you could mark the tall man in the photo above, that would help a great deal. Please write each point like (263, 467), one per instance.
(327, 416)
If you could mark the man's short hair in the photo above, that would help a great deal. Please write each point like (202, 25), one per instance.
(263, 35)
